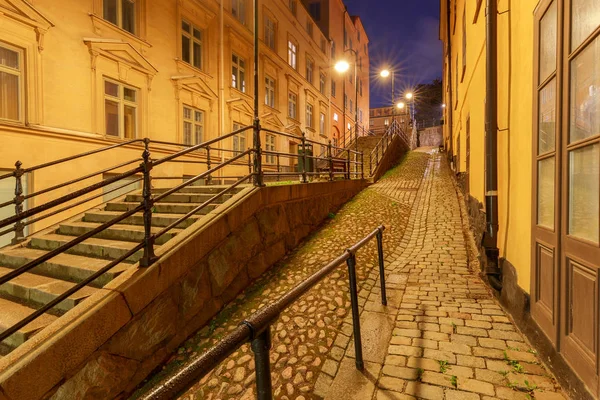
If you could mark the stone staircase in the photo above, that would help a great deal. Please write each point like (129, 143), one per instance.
(366, 144)
(42, 284)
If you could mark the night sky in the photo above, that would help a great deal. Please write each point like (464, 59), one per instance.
(402, 34)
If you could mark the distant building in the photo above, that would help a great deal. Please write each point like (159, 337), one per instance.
(380, 118)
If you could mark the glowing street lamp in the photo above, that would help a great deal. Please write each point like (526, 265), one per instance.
(409, 95)
(342, 66)
(385, 73)
(400, 105)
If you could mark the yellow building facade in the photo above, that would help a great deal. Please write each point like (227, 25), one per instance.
(548, 156)
(76, 76)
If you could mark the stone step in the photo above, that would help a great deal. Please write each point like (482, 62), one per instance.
(183, 198)
(158, 220)
(126, 233)
(38, 289)
(92, 247)
(11, 313)
(64, 266)
(212, 189)
(162, 208)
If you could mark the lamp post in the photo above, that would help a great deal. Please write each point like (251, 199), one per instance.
(342, 67)
(384, 74)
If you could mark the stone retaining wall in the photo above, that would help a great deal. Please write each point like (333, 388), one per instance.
(104, 347)
(431, 136)
(392, 156)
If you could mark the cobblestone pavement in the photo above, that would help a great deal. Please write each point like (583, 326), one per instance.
(442, 334)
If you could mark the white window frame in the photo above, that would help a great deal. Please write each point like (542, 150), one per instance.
(270, 90)
(238, 10)
(236, 81)
(310, 68)
(119, 21)
(122, 103)
(292, 54)
(192, 40)
(19, 73)
(270, 32)
(194, 124)
(270, 146)
(292, 105)
(322, 124)
(322, 83)
(239, 141)
(310, 115)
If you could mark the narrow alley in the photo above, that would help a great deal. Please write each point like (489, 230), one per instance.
(442, 335)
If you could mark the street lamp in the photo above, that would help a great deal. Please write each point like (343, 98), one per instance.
(343, 66)
(409, 95)
(400, 105)
(384, 74)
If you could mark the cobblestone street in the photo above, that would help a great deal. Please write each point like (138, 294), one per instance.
(442, 335)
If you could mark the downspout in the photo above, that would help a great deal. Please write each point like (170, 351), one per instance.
(221, 77)
(490, 236)
(449, 107)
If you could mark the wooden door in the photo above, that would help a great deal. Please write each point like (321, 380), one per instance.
(580, 209)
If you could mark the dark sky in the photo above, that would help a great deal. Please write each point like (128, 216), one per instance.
(402, 34)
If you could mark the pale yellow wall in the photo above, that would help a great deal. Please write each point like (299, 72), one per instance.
(74, 50)
(515, 113)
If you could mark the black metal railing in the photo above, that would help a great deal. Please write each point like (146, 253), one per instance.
(379, 150)
(215, 161)
(256, 329)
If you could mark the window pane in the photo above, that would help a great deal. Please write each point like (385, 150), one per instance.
(243, 81)
(111, 89)
(128, 10)
(585, 18)
(186, 27)
(197, 55)
(187, 133)
(130, 122)
(185, 49)
(198, 116)
(234, 73)
(197, 34)
(9, 58)
(9, 96)
(584, 192)
(111, 110)
(187, 113)
(198, 137)
(110, 11)
(585, 93)
(242, 63)
(545, 214)
(548, 43)
(547, 119)
(129, 94)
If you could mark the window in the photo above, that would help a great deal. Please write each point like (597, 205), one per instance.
(269, 91)
(121, 13)
(360, 86)
(292, 105)
(191, 44)
(239, 140)
(351, 48)
(309, 116)
(238, 10)
(351, 106)
(360, 115)
(358, 33)
(292, 5)
(333, 50)
(333, 87)
(11, 82)
(322, 82)
(386, 122)
(238, 73)
(315, 11)
(292, 54)
(323, 44)
(270, 146)
(464, 43)
(193, 126)
(345, 101)
(309, 27)
(120, 110)
(322, 124)
(345, 37)
(309, 70)
(270, 32)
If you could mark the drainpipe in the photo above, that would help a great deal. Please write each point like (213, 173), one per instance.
(490, 236)
(449, 106)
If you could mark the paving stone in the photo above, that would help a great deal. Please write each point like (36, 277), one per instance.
(424, 391)
(470, 361)
(459, 395)
(400, 372)
(473, 385)
(390, 395)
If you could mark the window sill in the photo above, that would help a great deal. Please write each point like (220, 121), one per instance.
(183, 66)
(101, 24)
(238, 91)
(293, 120)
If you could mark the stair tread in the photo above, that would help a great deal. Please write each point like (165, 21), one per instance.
(93, 241)
(137, 228)
(166, 204)
(81, 262)
(154, 215)
(29, 286)
(11, 313)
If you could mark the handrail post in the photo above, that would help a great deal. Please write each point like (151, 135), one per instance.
(258, 172)
(348, 176)
(330, 157)
(377, 155)
(148, 202)
(278, 165)
(304, 178)
(208, 179)
(362, 164)
(381, 265)
(250, 162)
(355, 313)
(260, 347)
(371, 164)
(19, 226)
